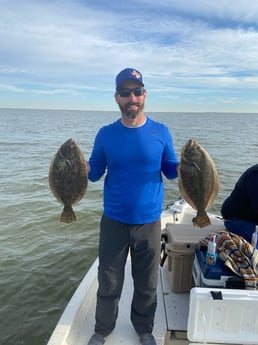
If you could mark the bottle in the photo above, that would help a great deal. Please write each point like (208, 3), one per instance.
(254, 238)
(211, 255)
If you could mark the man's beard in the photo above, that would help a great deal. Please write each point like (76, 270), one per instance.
(131, 113)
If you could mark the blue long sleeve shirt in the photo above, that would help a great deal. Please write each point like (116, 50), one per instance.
(133, 160)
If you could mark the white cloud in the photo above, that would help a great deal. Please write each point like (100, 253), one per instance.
(66, 45)
(10, 88)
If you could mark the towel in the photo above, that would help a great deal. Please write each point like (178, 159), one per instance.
(239, 256)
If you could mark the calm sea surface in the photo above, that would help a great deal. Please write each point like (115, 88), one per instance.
(41, 260)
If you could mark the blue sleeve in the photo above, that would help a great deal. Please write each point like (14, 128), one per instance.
(97, 161)
(169, 159)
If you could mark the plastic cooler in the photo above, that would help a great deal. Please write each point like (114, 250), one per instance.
(210, 276)
(224, 316)
(182, 240)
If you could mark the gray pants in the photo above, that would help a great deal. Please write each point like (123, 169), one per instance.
(116, 239)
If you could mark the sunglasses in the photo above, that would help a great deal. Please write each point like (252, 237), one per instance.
(125, 92)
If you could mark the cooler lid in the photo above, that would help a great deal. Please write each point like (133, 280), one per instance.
(186, 237)
(225, 316)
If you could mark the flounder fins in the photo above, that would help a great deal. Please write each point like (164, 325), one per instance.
(201, 220)
(68, 215)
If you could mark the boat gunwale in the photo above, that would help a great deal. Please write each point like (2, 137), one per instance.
(63, 327)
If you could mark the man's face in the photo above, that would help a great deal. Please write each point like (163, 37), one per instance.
(133, 105)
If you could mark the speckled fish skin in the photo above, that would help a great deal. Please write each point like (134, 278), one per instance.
(198, 180)
(68, 178)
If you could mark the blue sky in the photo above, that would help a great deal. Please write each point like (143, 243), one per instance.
(199, 55)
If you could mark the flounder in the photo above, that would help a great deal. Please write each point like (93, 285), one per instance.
(198, 180)
(68, 178)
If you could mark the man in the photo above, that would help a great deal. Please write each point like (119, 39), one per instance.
(133, 151)
(240, 209)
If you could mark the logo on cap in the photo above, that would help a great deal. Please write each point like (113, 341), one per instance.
(136, 74)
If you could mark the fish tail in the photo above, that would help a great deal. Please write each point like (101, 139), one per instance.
(68, 214)
(201, 220)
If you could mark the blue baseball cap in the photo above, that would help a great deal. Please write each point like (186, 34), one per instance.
(128, 74)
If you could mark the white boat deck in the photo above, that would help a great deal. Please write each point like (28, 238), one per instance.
(124, 332)
(84, 319)
(176, 306)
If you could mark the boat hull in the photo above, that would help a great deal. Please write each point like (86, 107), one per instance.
(171, 325)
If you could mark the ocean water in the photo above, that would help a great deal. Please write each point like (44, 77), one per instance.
(42, 261)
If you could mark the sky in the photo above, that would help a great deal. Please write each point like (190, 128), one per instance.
(195, 56)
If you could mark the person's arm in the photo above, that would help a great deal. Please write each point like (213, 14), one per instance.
(169, 159)
(97, 162)
(252, 191)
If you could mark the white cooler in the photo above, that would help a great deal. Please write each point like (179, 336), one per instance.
(224, 316)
